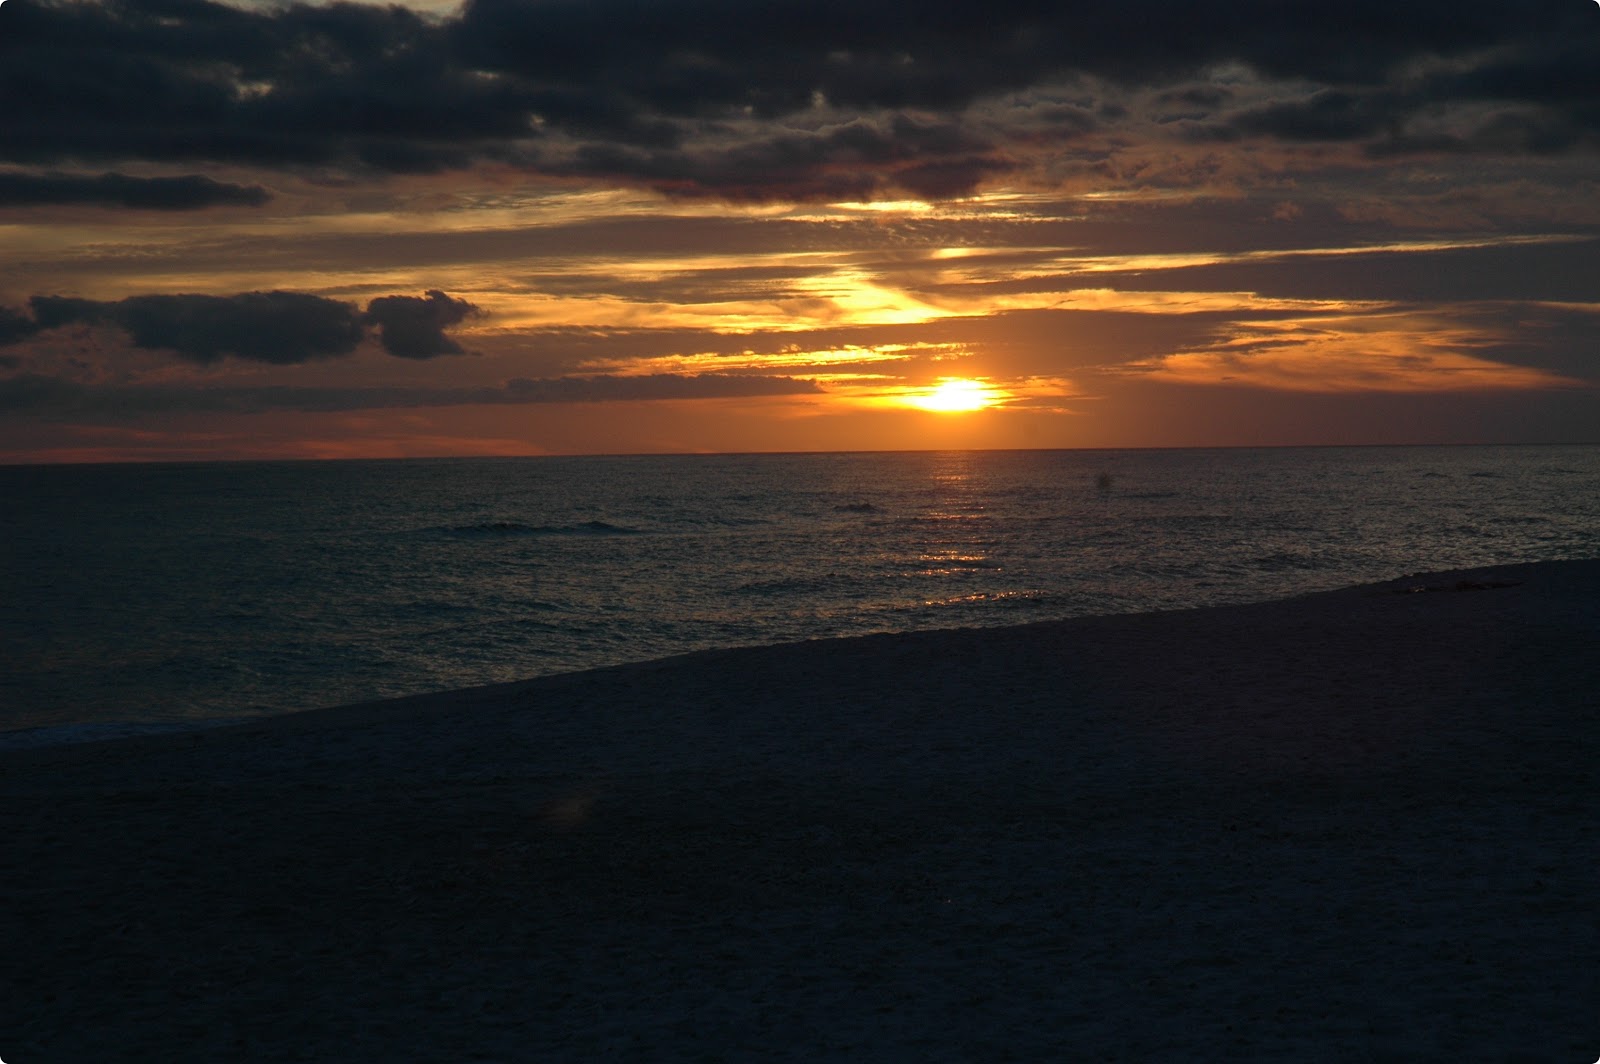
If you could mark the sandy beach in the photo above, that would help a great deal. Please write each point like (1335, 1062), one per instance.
(1353, 826)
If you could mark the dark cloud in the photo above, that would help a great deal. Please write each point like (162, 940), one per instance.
(35, 393)
(190, 192)
(15, 326)
(281, 328)
(42, 396)
(1560, 272)
(1202, 98)
(601, 389)
(694, 54)
(1329, 115)
(791, 98)
(1559, 339)
(856, 159)
(52, 312)
(193, 80)
(412, 327)
(948, 178)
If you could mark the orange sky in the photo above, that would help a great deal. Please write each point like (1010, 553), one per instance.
(1191, 256)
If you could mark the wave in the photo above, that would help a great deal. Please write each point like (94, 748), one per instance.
(789, 585)
(983, 600)
(719, 520)
(945, 565)
(1286, 562)
(509, 529)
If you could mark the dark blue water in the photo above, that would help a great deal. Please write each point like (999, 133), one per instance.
(183, 593)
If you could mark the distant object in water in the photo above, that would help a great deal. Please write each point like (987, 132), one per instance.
(1103, 482)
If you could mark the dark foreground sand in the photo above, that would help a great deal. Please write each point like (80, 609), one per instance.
(1358, 826)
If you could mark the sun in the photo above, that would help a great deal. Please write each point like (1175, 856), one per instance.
(955, 395)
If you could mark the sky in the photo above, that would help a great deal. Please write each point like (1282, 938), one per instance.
(506, 227)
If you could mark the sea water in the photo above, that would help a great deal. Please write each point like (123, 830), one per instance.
(134, 597)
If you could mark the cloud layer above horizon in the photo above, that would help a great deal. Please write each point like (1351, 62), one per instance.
(789, 100)
(1157, 223)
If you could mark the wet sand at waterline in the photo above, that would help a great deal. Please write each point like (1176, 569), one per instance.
(1357, 825)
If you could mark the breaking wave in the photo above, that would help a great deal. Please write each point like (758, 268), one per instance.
(509, 529)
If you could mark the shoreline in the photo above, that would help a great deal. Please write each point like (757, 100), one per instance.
(1351, 822)
(118, 730)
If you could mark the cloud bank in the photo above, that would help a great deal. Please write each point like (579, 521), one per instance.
(279, 328)
(794, 99)
(190, 192)
(409, 327)
(42, 396)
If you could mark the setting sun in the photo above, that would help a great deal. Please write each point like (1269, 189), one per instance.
(955, 396)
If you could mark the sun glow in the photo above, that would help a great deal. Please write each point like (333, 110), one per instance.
(955, 395)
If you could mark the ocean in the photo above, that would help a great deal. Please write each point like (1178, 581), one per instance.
(145, 597)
